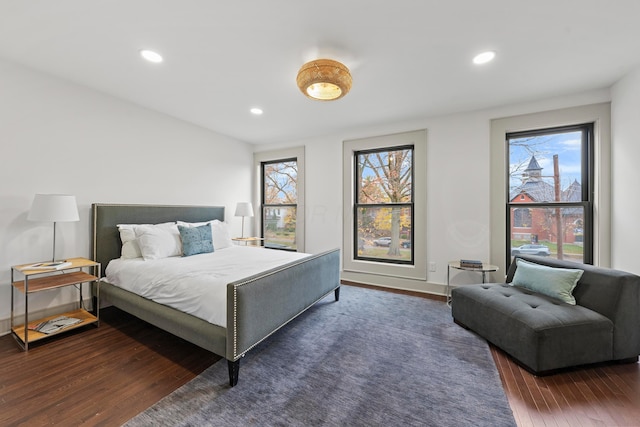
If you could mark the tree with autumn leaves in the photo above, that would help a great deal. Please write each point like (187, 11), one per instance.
(281, 189)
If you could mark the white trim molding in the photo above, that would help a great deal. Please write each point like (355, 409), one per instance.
(600, 115)
(354, 268)
(286, 153)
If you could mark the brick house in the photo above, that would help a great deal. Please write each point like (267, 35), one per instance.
(539, 224)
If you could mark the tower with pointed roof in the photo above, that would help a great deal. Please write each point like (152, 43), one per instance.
(533, 172)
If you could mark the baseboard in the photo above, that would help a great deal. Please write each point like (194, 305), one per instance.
(5, 324)
(424, 294)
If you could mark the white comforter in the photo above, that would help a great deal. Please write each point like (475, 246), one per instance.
(195, 284)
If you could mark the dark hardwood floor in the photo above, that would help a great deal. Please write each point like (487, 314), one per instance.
(104, 376)
(95, 376)
(599, 395)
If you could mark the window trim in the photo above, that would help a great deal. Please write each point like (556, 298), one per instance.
(354, 267)
(600, 115)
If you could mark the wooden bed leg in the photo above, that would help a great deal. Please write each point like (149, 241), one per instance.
(234, 370)
(337, 293)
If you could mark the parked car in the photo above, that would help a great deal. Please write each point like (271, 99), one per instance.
(406, 244)
(382, 241)
(531, 249)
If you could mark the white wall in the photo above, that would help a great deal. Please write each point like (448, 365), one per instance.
(60, 137)
(57, 137)
(625, 156)
(458, 186)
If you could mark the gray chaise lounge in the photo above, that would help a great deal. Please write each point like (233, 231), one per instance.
(544, 334)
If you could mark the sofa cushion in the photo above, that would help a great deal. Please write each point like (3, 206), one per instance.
(540, 332)
(554, 282)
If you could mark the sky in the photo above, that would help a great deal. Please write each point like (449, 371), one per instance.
(567, 145)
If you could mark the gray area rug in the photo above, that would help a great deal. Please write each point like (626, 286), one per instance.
(372, 359)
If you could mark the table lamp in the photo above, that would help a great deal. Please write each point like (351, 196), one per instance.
(244, 209)
(54, 208)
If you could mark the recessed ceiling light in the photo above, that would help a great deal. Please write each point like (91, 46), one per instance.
(484, 57)
(151, 56)
(256, 111)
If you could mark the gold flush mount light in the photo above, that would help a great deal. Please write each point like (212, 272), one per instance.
(324, 79)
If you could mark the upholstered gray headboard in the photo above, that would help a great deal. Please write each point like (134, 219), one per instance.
(106, 242)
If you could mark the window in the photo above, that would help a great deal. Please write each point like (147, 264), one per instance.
(521, 217)
(383, 209)
(280, 203)
(550, 196)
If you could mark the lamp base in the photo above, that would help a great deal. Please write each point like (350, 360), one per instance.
(53, 254)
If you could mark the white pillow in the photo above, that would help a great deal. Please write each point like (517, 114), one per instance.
(159, 241)
(219, 232)
(221, 235)
(130, 247)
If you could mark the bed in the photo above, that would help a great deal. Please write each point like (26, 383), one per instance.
(256, 306)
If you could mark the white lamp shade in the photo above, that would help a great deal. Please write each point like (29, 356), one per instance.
(54, 208)
(244, 209)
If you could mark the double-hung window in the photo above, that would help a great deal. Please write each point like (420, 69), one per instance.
(383, 209)
(550, 193)
(280, 203)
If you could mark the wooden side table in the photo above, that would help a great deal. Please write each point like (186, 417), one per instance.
(255, 241)
(37, 279)
(486, 268)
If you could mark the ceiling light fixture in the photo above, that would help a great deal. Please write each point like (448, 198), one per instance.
(324, 79)
(257, 111)
(151, 56)
(484, 57)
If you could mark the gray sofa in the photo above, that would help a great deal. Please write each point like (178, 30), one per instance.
(544, 334)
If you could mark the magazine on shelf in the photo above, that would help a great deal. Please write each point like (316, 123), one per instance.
(54, 325)
(51, 265)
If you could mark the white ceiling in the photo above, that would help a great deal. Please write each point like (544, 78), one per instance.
(408, 58)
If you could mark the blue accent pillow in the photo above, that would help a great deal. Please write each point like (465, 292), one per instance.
(196, 240)
(557, 283)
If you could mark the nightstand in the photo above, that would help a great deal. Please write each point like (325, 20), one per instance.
(35, 280)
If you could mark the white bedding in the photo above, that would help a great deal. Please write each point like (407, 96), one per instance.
(195, 284)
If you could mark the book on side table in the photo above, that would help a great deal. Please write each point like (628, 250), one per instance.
(54, 325)
(470, 263)
(52, 265)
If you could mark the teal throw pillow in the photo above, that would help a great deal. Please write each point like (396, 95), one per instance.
(196, 240)
(554, 282)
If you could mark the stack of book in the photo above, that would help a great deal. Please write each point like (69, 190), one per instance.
(470, 263)
(54, 325)
(53, 265)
